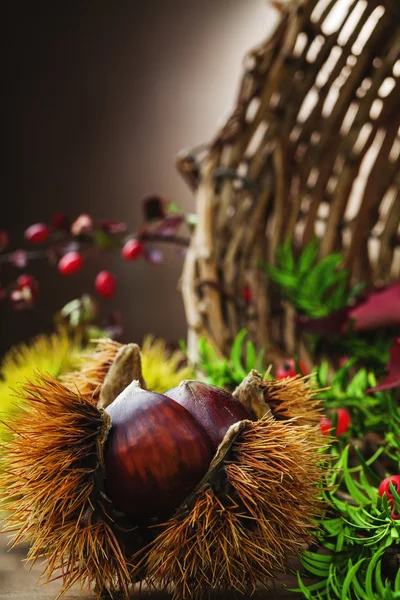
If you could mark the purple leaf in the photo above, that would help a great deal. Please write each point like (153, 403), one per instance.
(379, 309)
(330, 325)
(392, 379)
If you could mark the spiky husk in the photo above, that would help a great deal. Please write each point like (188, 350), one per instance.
(93, 369)
(243, 523)
(291, 397)
(51, 488)
(253, 509)
(161, 369)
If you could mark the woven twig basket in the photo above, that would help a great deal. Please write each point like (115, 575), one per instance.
(312, 147)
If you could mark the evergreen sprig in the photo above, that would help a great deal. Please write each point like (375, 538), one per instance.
(357, 553)
(229, 372)
(314, 287)
(357, 539)
(377, 413)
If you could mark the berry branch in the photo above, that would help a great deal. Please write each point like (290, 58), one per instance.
(67, 245)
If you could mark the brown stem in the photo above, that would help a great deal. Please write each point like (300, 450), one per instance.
(156, 237)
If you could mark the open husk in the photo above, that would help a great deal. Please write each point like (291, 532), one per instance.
(255, 507)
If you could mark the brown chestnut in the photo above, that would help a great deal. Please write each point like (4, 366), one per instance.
(211, 406)
(155, 455)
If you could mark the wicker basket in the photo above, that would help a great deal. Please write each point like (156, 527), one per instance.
(312, 147)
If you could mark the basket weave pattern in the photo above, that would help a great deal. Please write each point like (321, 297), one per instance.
(312, 147)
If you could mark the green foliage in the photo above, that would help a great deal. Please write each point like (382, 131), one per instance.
(377, 413)
(317, 288)
(357, 550)
(80, 316)
(314, 287)
(372, 348)
(229, 372)
(356, 539)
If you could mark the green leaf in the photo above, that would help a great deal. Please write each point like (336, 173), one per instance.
(320, 278)
(378, 579)
(367, 469)
(236, 351)
(251, 358)
(308, 256)
(370, 570)
(285, 258)
(350, 483)
(286, 280)
(353, 293)
(337, 298)
(191, 219)
(173, 209)
(349, 578)
(322, 374)
(305, 590)
(358, 384)
(71, 306)
(397, 581)
(104, 240)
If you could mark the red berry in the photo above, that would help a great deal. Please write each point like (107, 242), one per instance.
(28, 282)
(24, 281)
(302, 367)
(343, 422)
(70, 263)
(325, 425)
(384, 486)
(4, 239)
(61, 222)
(288, 369)
(105, 284)
(132, 250)
(37, 234)
(246, 295)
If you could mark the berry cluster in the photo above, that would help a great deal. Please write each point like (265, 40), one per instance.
(385, 488)
(67, 245)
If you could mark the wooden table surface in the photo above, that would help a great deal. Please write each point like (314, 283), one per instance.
(18, 583)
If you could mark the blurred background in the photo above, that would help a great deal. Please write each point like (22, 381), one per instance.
(101, 97)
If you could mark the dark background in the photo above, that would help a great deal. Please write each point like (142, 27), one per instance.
(100, 97)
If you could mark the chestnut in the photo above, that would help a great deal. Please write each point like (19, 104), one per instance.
(155, 454)
(194, 489)
(213, 407)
